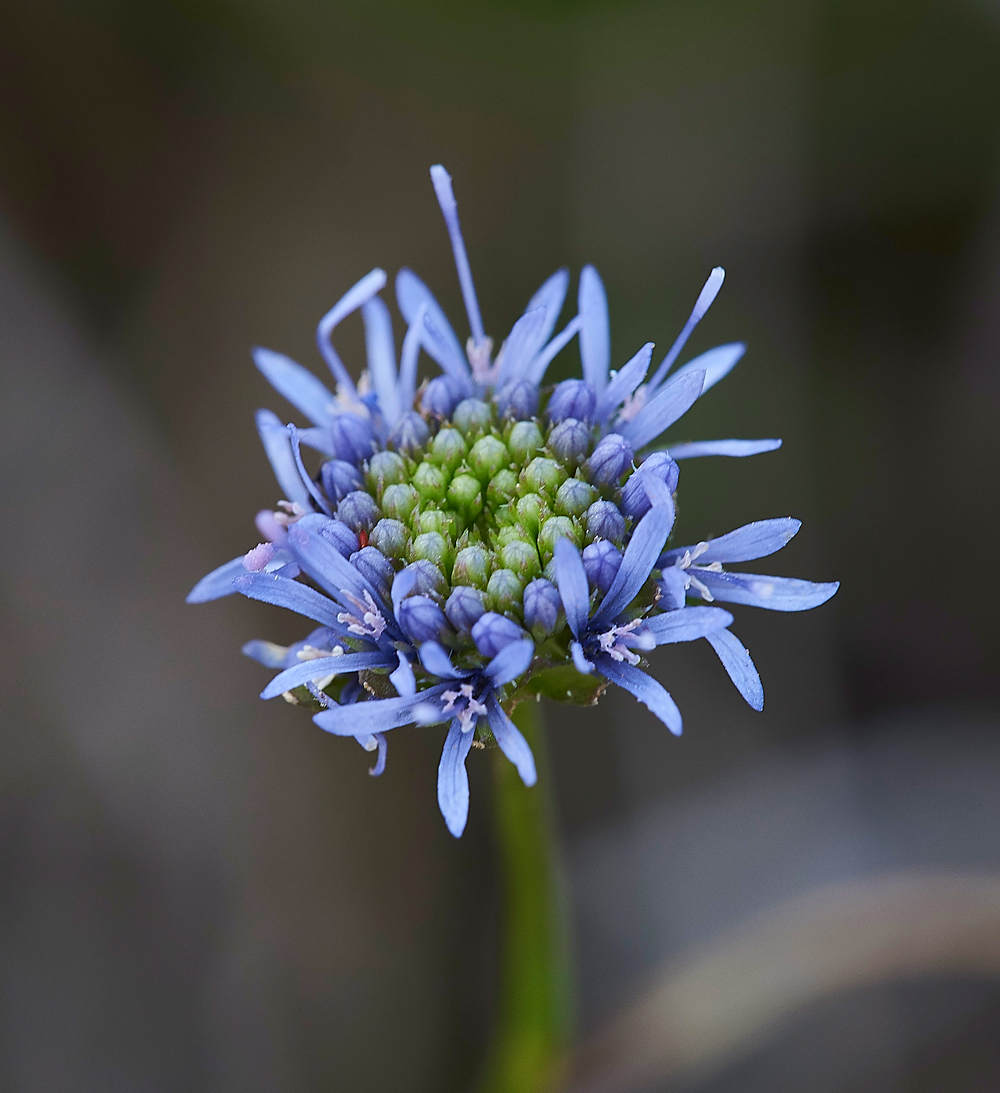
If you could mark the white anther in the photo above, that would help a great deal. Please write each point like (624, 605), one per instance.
(693, 582)
(370, 624)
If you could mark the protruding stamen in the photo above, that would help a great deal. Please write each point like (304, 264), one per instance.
(449, 208)
(702, 304)
(371, 624)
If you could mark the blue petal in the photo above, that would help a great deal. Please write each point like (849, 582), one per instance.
(354, 298)
(736, 660)
(320, 439)
(623, 383)
(375, 715)
(705, 299)
(512, 661)
(319, 501)
(383, 748)
(408, 358)
(663, 409)
(265, 652)
(717, 363)
(403, 679)
(438, 348)
(687, 625)
(412, 295)
(278, 446)
(282, 592)
(521, 345)
(595, 331)
(453, 779)
(441, 181)
(645, 689)
(324, 666)
(218, 583)
(738, 448)
(402, 585)
(381, 351)
(511, 742)
(536, 370)
(755, 540)
(580, 662)
(640, 556)
(571, 579)
(775, 593)
(551, 296)
(437, 662)
(325, 564)
(298, 385)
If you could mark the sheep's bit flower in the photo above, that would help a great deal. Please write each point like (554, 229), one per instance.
(484, 538)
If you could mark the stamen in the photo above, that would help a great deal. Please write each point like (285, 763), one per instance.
(371, 624)
(693, 582)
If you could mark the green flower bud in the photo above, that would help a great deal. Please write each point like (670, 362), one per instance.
(385, 469)
(525, 439)
(391, 537)
(522, 559)
(466, 495)
(532, 512)
(574, 497)
(543, 474)
(505, 593)
(502, 487)
(431, 482)
(557, 527)
(445, 523)
(514, 533)
(432, 546)
(448, 449)
(489, 454)
(399, 501)
(472, 416)
(472, 567)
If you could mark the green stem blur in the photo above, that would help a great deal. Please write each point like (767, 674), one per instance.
(534, 1010)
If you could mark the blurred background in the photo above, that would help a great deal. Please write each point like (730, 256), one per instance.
(201, 891)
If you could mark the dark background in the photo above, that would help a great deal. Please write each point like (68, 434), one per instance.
(199, 890)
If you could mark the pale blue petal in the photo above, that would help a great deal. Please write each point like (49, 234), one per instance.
(453, 779)
(408, 359)
(449, 208)
(282, 592)
(298, 385)
(218, 583)
(319, 667)
(265, 652)
(536, 370)
(383, 748)
(638, 561)
(326, 565)
(736, 448)
(756, 540)
(663, 409)
(436, 660)
(412, 295)
(717, 363)
(646, 689)
(688, 624)
(278, 446)
(511, 742)
(571, 579)
(623, 383)
(512, 661)
(705, 299)
(774, 593)
(319, 439)
(595, 330)
(580, 662)
(438, 349)
(551, 296)
(319, 501)
(355, 297)
(403, 679)
(374, 715)
(521, 345)
(381, 351)
(736, 660)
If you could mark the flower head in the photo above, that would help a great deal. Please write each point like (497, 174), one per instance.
(466, 542)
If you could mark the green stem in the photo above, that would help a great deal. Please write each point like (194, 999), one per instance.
(534, 1008)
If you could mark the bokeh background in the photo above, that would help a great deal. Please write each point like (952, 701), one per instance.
(200, 891)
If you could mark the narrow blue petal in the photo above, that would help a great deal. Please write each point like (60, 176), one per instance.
(571, 579)
(436, 660)
(437, 347)
(663, 409)
(512, 661)
(623, 383)
(742, 671)
(775, 593)
(319, 439)
(687, 625)
(354, 298)
(511, 742)
(324, 666)
(282, 592)
(383, 748)
(402, 585)
(374, 715)
(646, 689)
(318, 500)
(412, 295)
(521, 345)
(737, 448)
(408, 358)
(717, 363)
(218, 583)
(551, 296)
(449, 209)
(536, 370)
(278, 446)
(705, 299)
(453, 779)
(325, 564)
(381, 351)
(640, 557)
(265, 652)
(580, 662)
(298, 385)
(595, 329)
(756, 540)
(403, 679)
